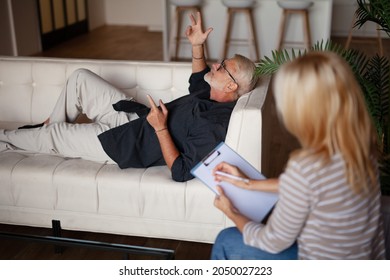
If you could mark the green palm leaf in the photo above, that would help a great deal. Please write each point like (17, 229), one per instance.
(377, 11)
(269, 66)
(376, 80)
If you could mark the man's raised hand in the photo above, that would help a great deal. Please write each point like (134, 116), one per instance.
(194, 31)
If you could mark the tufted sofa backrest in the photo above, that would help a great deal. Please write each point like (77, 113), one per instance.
(33, 85)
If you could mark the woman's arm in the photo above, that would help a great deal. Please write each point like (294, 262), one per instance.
(267, 185)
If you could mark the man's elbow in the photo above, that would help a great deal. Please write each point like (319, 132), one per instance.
(179, 173)
(182, 177)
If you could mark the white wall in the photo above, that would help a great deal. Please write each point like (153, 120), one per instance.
(343, 14)
(135, 12)
(96, 13)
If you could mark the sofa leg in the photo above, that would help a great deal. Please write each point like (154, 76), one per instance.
(56, 226)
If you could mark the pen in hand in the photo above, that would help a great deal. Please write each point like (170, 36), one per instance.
(245, 180)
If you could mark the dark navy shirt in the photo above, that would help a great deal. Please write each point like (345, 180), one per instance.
(196, 124)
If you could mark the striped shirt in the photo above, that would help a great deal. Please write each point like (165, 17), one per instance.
(318, 209)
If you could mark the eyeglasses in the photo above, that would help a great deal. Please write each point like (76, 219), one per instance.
(222, 65)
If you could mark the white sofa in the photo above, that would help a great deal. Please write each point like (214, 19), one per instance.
(83, 195)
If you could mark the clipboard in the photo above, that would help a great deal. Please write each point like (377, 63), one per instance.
(255, 205)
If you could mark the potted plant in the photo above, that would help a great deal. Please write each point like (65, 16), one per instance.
(373, 74)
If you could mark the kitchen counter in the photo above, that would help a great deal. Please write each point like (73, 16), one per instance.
(267, 16)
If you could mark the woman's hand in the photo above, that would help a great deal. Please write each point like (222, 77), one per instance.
(235, 171)
(223, 203)
(157, 117)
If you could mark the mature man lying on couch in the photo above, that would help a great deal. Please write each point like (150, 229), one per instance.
(178, 134)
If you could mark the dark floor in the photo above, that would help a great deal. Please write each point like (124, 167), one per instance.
(112, 42)
(14, 249)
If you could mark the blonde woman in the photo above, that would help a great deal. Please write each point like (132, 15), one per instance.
(329, 196)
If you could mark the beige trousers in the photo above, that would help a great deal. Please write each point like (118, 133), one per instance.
(86, 93)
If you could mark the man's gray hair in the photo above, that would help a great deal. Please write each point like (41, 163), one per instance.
(245, 74)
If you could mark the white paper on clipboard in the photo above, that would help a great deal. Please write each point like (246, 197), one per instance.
(255, 205)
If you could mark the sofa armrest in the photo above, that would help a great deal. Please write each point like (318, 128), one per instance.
(245, 126)
(277, 142)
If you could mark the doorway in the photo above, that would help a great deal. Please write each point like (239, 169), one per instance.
(61, 20)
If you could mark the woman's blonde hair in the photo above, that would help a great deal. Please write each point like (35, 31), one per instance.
(322, 104)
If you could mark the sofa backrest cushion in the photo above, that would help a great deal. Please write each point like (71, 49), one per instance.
(31, 86)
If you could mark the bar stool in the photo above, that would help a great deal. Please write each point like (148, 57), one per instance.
(350, 34)
(245, 7)
(182, 8)
(295, 7)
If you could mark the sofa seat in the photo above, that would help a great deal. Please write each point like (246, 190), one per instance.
(89, 196)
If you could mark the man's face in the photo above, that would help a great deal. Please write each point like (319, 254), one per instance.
(222, 82)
